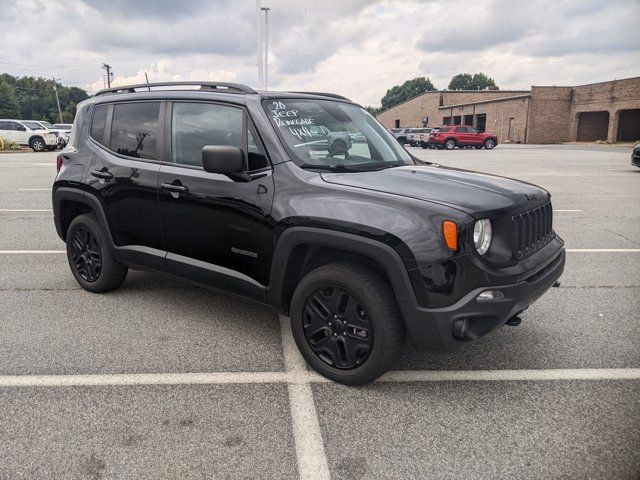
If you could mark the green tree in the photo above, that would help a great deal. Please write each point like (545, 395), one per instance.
(466, 81)
(8, 101)
(407, 90)
(36, 98)
(373, 110)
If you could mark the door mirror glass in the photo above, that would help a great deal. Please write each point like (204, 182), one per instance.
(226, 160)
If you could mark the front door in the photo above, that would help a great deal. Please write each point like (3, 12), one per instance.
(124, 174)
(217, 231)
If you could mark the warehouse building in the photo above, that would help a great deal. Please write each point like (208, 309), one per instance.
(599, 111)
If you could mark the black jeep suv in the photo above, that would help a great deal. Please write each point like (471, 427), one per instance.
(228, 188)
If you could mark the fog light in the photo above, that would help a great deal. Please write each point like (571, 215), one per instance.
(490, 295)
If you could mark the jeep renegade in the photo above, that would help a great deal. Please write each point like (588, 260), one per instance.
(247, 192)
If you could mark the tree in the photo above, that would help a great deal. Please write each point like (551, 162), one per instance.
(407, 90)
(36, 99)
(8, 101)
(466, 81)
(372, 110)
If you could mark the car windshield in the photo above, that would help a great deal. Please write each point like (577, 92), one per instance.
(329, 135)
(33, 125)
(46, 124)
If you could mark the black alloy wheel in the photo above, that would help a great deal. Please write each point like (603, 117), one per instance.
(86, 254)
(338, 328)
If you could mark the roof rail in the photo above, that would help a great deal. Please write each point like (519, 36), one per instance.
(323, 94)
(221, 86)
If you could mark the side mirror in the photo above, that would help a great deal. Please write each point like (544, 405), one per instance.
(226, 160)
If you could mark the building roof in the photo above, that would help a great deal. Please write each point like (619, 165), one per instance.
(502, 99)
(455, 91)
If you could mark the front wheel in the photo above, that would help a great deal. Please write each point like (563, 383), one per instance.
(346, 323)
(90, 257)
(38, 145)
(450, 144)
(489, 143)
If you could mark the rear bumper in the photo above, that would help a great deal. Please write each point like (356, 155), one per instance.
(433, 329)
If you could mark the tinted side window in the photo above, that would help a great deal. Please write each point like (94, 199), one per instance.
(461, 129)
(97, 126)
(256, 157)
(134, 129)
(4, 126)
(195, 125)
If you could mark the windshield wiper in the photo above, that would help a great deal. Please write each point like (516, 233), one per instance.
(359, 167)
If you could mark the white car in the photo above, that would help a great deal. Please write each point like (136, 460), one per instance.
(24, 132)
(62, 133)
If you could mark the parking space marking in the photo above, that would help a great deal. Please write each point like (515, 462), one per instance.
(603, 250)
(25, 210)
(511, 375)
(312, 460)
(28, 252)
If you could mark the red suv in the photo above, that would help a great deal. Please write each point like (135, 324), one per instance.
(450, 137)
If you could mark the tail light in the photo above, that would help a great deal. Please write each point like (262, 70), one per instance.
(59, 162)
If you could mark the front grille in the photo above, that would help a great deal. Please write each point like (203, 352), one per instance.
(532, 230)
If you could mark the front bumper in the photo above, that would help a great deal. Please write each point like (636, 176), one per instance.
(50, 141)
(432, 329)
(635, 159)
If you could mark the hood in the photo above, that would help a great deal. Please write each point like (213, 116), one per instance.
(478, 194)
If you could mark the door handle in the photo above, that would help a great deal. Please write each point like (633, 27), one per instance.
(170, 187)
(103, 174)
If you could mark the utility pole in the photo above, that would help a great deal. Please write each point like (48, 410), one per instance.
(266, 47)
(55, 89)
(109, 74)
(259, 44)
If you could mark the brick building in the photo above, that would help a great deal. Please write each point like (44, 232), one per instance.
(599, 111)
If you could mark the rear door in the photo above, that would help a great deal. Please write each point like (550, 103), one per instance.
(217, 231)
(124, 175)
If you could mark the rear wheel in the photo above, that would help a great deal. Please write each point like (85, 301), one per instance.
(90, 258)
(402, 141)
(346, 323)
(450, 144)
(489, 143)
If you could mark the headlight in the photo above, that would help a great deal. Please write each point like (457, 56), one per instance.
(482, 236)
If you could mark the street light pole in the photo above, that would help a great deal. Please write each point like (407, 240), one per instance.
(266, 47)
(259, 44)
(55, 89)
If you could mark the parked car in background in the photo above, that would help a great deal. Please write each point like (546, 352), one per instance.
(452, 136)
(413, 135)
(400, 134)
(635, 156)
(62, 134)
(31, 134)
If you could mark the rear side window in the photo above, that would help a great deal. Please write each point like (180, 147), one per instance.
(98, 123)
(461, 129)
(134, 129)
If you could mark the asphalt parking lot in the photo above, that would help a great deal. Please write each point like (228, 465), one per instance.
(161, 379)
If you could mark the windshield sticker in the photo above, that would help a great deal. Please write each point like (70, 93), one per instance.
(287, 118)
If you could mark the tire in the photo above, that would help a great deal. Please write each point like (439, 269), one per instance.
(424, 145)
(38, 145)
(402, 141)
(432, 145)
(90, 258)
(489, 143)
(370, 309)
(450, 144)
(439, 147)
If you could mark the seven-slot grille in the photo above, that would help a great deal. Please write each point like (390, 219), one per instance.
(532, 230)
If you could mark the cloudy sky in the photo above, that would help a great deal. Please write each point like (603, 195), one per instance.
(357, 48)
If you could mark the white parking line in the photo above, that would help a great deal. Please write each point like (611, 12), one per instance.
(28, 252)
(26, 210)
(312, 460)
(603, 250)
(512, 375)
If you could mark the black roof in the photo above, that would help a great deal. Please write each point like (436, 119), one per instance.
(158, 88)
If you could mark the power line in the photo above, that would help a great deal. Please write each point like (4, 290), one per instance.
(50, 66)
